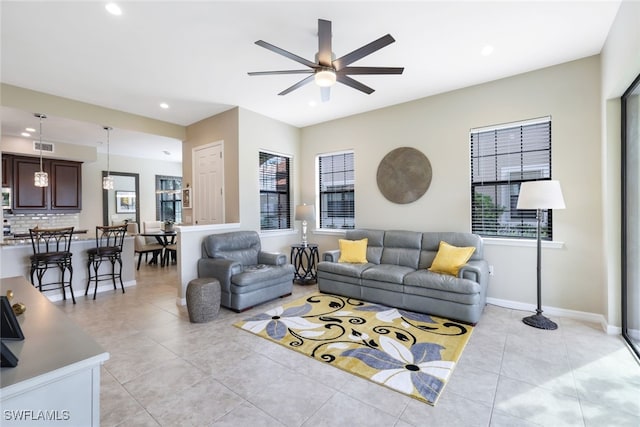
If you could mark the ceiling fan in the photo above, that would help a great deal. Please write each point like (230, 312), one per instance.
(326, 71)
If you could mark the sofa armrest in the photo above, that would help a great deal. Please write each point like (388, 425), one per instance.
(470, 272)
(272, 258)
(475, 270)
(331, 256)
(220, 268)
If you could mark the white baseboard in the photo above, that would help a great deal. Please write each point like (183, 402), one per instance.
(561, 312)
(181, 301)
(104, 287)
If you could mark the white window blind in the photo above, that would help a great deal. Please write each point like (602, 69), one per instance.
(274, 176)
(336, 190)
(502, 158)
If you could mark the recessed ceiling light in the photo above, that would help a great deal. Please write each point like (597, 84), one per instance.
(113, 9)
(312, 103)
(26, 134)
(164, 105)
(30, 130)
(487, 50)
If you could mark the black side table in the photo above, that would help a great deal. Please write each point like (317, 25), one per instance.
(304, 259)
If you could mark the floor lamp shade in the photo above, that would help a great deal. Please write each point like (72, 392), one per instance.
(305, 213)
(540, 195)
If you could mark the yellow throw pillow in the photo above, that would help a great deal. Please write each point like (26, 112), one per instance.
(450, 258)
(354, 251)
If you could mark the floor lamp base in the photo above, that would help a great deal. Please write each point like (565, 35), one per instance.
(540, 322)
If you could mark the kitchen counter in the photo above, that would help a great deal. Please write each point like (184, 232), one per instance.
(14, 261)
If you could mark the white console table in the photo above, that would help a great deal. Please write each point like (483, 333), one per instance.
(57, 380)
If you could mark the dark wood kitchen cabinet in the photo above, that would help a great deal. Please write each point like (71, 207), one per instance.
(66, 185)
(64, 193)
(6, 171)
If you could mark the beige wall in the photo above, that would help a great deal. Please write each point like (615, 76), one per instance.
(620, 66)
(573, 276)
(221, 127)
(258, 133)
(91, 214)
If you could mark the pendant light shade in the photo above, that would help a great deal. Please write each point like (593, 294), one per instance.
(41, 179)
(107, 181)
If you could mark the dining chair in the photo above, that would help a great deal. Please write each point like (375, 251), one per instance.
(141, 247)
(52, 249)
(109, 242)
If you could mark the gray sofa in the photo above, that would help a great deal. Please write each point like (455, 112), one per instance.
(396, 274)
(248, 276)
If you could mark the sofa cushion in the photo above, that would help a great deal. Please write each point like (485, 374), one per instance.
(374, 245)
(387, 273)
(401, 248)
(353, 251)
(442, 282)
(261, 274)
(450, 258)
(343, 269)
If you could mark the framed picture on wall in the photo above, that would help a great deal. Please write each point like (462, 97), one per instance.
(186, 198)
(125, 201)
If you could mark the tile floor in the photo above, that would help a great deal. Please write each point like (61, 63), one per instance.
(166, 371)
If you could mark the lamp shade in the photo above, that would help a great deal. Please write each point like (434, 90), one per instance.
(305, 213)
(540, 195)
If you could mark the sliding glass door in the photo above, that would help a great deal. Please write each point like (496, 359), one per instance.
(631, 215)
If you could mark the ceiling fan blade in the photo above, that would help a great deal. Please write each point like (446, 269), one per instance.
(371, 70)
(270, 73)
(325, 94)
(301, 83)
(324, 42)
(354, 84)
(365, 50)
(284, 53)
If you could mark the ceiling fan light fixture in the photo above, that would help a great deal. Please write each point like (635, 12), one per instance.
(325, 77)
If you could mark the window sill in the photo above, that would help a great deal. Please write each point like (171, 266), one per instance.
(274, 233)
(330, 231)
(493, 241)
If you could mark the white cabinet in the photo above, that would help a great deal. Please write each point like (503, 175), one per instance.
(57, 380)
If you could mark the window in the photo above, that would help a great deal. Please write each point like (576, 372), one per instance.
(275, 211)
(336, 190)
(502, 158)
(169, 198)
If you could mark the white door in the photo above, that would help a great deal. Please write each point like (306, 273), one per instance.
(208, 172)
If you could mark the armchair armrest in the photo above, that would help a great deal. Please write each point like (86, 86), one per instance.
(331, 256)
(220, 268)
(272, 258)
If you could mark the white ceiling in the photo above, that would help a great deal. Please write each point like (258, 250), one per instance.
(195, 55)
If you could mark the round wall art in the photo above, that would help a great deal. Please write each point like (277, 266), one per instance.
(404, 175)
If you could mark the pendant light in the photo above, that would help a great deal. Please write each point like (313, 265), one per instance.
(41, 179)
(107, 181)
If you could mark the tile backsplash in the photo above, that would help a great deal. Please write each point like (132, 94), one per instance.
(21, 223)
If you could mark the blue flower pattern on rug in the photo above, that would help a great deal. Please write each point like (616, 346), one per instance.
(402, 369)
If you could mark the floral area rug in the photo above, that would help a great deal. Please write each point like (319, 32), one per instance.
(409, 352)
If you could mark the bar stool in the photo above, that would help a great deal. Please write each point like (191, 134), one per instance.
(109, 241)
(52, 249)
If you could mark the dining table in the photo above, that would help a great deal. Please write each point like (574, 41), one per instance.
(164, 238)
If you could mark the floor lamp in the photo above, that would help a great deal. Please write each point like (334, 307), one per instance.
(540, 195)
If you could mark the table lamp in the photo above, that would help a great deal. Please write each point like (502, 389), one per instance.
(540, 195)
(305, 213)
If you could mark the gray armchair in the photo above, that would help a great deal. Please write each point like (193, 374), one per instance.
(247, 275)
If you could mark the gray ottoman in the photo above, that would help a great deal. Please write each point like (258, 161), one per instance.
(203, 299)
